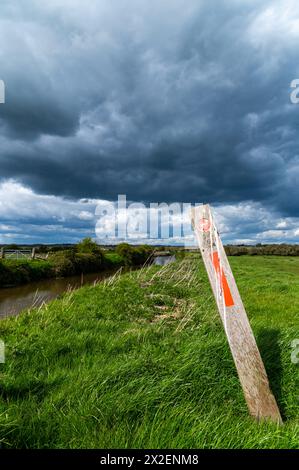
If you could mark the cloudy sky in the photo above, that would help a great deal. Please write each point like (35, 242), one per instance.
(161, 100)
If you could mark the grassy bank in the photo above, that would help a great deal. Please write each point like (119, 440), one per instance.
(17, 272)
(84, 258)
(141, 360)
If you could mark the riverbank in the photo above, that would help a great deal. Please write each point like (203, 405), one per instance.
(141, 360)
(70, 262)
(14, 300)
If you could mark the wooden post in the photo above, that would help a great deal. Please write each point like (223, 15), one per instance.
(2, 253)
(33, 253)
(252, 374)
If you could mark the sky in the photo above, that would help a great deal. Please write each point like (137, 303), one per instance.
(162, 100)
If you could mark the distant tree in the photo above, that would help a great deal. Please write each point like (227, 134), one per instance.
(126, 251)
(134, 255)
(281, 249)
(88, 246)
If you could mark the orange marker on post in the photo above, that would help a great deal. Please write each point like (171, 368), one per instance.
(228, 299)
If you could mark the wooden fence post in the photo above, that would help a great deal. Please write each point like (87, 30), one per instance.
(252, 374)
(2, 253)
(33, 253)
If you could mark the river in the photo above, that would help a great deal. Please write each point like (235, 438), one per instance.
(164, 260)
(15, 299)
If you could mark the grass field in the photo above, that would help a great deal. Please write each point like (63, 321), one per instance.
(141, 361)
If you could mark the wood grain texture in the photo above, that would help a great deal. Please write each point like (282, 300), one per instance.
(252, 374)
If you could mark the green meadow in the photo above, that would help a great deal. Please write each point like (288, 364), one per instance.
(141, 361)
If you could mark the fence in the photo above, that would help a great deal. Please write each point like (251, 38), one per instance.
(17, 254)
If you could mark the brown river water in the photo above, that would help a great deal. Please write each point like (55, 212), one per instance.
(14, 300)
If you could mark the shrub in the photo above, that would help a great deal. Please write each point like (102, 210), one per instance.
(141, 254)
(134, 256)
(113, 259)
(64, 263)
(88, 263)
(88, 246)
(71, 262)
(126, 252)
(15, 272)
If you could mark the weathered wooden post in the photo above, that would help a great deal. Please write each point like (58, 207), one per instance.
(2, 253)
(252, 374)
(33, 253)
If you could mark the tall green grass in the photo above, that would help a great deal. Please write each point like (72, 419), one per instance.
(141, 361)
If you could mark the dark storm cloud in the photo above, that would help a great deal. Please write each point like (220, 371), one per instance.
(162, 101)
